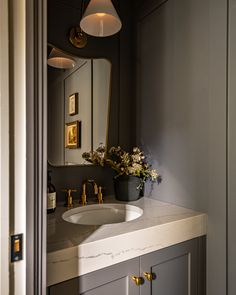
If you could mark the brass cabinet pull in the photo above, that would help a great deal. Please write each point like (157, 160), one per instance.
(138, 280)
(149, 276)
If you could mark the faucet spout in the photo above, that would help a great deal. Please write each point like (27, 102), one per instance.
(84, 190)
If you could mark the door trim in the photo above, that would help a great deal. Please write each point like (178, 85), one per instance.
(4, 149)
(36, 40)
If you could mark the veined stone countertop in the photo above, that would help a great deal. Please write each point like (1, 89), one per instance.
(75, 250)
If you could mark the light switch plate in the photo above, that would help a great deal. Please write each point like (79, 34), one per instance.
(16, 247)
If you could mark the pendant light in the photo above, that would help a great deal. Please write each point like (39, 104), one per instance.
(100, 19)
(59, 59)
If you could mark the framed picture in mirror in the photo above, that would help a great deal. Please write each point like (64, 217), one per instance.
(72, 135)
(73, 104)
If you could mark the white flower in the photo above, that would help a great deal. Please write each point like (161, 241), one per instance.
(136, 150)
(131, 170)
(137, 167)
(125, 158)
(153, 174)
(123, 162)
(136, 158)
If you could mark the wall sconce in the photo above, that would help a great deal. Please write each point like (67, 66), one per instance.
(100, 19)
(77, 37)
(59, 59)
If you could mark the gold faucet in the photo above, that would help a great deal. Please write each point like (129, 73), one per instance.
(100, 198)
(84, 197)
(69, 200)
(97, 191)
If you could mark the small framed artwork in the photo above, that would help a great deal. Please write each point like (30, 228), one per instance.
(73, 104)
(73, 135)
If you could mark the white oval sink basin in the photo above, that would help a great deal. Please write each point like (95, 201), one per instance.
(99, 214)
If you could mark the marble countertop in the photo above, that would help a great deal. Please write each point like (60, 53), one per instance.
(75, 250)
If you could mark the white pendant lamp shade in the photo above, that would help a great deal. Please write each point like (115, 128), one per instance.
(100, 19)
(58, 59)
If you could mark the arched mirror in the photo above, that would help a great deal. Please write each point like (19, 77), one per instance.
(78, 106)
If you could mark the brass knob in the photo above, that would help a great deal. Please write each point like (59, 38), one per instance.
(138, 280)
(149, 276)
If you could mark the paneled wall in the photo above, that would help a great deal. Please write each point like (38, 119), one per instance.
(232, 149)
(173, 122)
(181, 110)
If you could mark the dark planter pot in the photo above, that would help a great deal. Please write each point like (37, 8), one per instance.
(126, 188)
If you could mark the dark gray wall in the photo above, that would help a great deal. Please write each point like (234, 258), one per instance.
(62, 15)
(173, 122)
(232, 150)
(185, 114)
(181, 112)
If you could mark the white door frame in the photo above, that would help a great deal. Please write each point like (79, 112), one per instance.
(13, 141)
(4, 149)
(17, 115)
(23, 144)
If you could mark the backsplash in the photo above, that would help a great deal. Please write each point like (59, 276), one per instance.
(73, 176)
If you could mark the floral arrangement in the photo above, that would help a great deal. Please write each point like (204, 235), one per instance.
(124, 163)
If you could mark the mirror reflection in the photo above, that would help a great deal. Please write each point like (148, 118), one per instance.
(78, 107)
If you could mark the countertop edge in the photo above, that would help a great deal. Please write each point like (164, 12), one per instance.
(72, 262)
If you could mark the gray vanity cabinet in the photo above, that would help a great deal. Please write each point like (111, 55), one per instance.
(113, 280)
(176, 270)
(171, 271)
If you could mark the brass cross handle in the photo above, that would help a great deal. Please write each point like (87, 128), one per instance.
(69, 201)
(138, 280)
(149, 276)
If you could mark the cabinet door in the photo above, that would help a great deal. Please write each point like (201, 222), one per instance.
(114, 280)
(174, 270)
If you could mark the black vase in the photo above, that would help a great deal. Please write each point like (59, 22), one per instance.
(126, 188)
